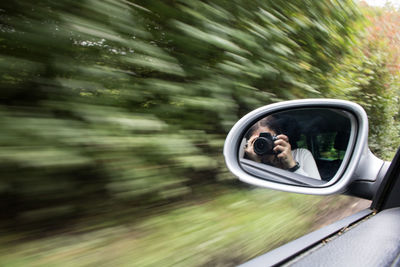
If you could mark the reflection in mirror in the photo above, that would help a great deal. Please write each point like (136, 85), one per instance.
(311, 142)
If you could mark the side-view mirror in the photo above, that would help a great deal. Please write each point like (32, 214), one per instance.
(310, 146)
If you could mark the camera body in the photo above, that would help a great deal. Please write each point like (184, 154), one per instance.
(264, 144)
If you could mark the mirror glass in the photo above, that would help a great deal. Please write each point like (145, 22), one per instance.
(312, 142)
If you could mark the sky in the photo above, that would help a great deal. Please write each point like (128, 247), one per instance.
(395, 3)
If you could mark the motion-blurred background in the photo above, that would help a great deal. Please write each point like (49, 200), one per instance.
(113, 115)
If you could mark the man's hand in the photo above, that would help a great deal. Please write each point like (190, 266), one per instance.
(249, 149)
(284, 151)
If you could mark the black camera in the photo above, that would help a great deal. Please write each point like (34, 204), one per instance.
(264, 144)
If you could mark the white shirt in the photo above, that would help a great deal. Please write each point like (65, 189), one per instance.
(308, 167)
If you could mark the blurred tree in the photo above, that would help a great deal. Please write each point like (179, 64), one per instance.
(130, 102)
(370, 76)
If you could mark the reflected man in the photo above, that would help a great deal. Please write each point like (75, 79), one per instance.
(273, 141)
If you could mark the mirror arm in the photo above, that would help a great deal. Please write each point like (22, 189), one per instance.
(368, 176)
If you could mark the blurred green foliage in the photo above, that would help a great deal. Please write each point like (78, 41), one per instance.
(131, 102)
(121, 104)
(369, 75)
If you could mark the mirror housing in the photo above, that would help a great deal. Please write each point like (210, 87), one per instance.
(359, 175)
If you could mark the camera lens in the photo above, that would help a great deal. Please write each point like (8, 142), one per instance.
(263, 146)
(259, 144)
